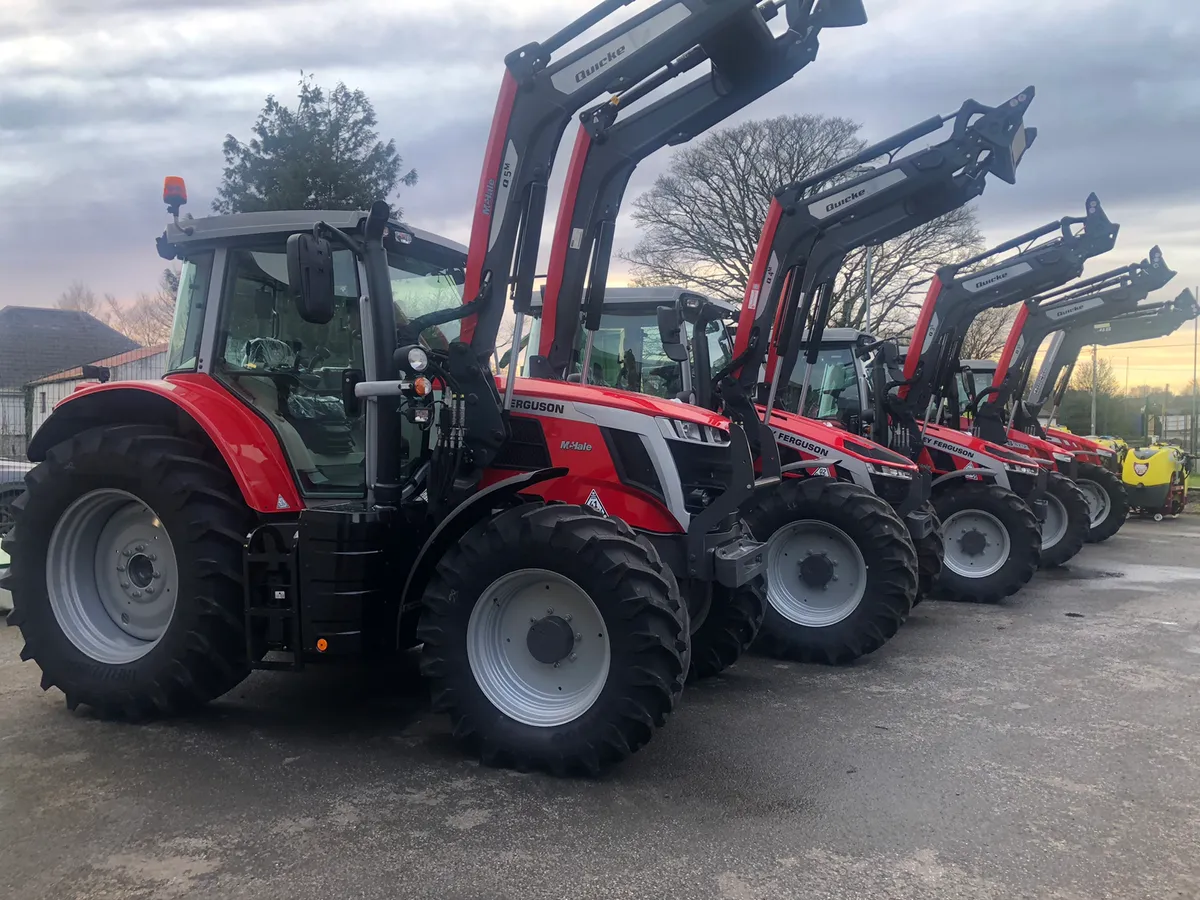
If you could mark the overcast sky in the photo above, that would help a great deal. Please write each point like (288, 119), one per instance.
(102, 98)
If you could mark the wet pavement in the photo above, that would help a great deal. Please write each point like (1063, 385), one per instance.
(1042, 748)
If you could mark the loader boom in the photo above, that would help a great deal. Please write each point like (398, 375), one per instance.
(746, 63)
(1093, 300)
(960, 292)
(813, 224)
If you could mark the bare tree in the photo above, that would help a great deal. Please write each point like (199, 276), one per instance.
(1107, 384)
(79, 296)
(702, 219)
(148, 320)
(987, 334)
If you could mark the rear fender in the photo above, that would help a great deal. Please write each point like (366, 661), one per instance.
(459, 522)
(188, 405)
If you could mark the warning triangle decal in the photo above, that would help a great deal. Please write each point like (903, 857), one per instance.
(593, 501)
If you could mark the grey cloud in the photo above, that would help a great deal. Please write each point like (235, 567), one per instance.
(1118, 110)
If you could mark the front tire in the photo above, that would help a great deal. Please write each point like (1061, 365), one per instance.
(825, 602)
(931, 553)
(730, 625)
(1067, 521)
(126, 571)
(508, 607)
(1108, 502)
(992, 542)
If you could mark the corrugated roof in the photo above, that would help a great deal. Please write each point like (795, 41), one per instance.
(110, 363)
(35, 342)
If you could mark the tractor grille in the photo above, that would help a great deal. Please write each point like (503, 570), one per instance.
(893, 490)
(632, 461)
(1022, 485)
(705, 471)
(526, 447)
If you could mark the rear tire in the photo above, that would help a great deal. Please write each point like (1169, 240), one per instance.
(930, 554)
(502, 698)
(1003, 523)
(848, 525)
(96, 493)
(1072, 504)
(7, 499)
(1108, 503)
(734, 618)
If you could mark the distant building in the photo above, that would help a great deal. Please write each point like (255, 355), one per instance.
(34, 343)
(41, 396)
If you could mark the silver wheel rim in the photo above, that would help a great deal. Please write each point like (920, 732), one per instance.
(112, 576)
(1055, 526)
(977, 543)
(816, 575)
(1099, 504)
(534, 692)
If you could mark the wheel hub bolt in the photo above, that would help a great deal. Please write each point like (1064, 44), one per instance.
(120, 568)
(125, 584)
(573, 657)
(141, 547)
(137, 593)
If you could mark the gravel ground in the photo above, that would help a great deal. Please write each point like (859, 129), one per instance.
(1042, 748)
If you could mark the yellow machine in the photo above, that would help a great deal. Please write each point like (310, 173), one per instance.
(1115, 444)
(1156, 480)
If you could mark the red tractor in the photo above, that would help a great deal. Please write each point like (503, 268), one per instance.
(1004, 415)
(330, 470)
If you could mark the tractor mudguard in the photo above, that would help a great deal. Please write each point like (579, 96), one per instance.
(247, 443)
(981, 474)
(826, 461)
(460, 520)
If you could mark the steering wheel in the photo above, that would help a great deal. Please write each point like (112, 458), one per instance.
(972, 408)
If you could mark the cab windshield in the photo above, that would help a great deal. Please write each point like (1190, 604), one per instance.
(832, 389)
(419, 288)
(627, 353)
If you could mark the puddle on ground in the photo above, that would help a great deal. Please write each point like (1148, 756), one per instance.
(1131, 573)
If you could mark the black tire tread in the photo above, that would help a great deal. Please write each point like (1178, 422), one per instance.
(732, 624)
(930, 553)
(1074, 502)
(1118, 498)
(213, 658)
(643, 594)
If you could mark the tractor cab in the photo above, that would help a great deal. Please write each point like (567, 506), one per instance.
(237, 319)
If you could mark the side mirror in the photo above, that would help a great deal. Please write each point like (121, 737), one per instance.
(670, 332)
(838, 14)
(310, 276)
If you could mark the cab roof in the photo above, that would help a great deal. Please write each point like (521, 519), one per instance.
(215, 228)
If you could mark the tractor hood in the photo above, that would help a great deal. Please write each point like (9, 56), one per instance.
(829, 439)
(1076, 443)
(529, 392)
(972, 444)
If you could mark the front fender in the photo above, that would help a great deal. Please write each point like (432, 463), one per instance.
(981, 474)
(184, 402)
(459, 521)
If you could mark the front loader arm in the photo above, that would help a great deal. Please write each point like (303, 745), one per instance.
(810, 227)
(959, 293)
(1154, 320)
(747, 61)
(538, 96)
(1083, 304)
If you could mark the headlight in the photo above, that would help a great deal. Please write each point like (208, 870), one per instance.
(418, 359)
(1063, 457)
(678, 430)
(1020, 470)
(889, 471)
